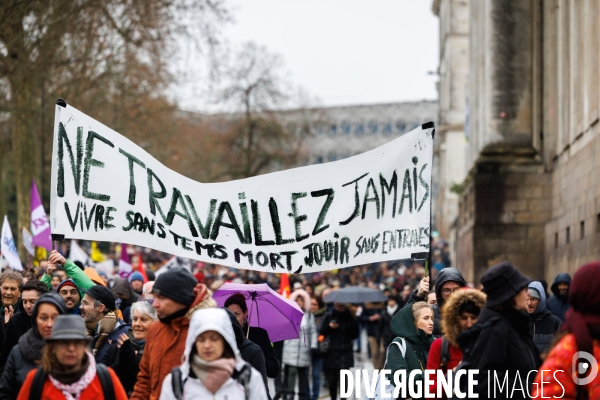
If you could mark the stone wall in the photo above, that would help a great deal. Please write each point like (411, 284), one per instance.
(571, 132)
(503, 213)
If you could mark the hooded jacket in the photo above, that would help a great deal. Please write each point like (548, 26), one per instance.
(545, 324)
(28, 351)
(446, 275)
(213, 319)
(559, 304)
(76, 310)
(297, 352)
(417, 345)
(250, 351)
(18, 325)
(451, 329)
(125, 296)
(164, 348)
(500, 341)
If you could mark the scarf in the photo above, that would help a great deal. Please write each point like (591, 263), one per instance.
(73, 391)
(31, 346)
(174, 316)
(213, 374)
(391, 310)
(104, 328)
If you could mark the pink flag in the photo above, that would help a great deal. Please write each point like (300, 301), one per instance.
(124, 263)
(40, 226)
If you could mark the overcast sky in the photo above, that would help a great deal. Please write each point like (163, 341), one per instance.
(345, 51)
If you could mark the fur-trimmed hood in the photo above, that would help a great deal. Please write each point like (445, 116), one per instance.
(203, 300)
(304, 294)
(450, 314)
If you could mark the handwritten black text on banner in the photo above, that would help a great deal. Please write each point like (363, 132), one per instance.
(368, 208)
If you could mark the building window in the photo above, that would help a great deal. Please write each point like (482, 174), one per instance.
(556, 240)
(582, 229)
(568, 235)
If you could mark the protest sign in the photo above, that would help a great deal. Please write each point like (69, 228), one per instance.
(368, 208)
(28, 241)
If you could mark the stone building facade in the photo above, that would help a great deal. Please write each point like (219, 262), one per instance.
(532, 193)
(345, 131)
(451, 144)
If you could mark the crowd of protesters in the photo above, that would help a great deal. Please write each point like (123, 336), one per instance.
(75, 332)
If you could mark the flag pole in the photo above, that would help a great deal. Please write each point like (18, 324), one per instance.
(427, 255)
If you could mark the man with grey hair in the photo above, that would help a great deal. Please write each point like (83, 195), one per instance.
(10, 283)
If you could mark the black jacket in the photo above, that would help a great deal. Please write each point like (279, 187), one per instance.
(500, 342)
(386, 331)
(20, 361)
(340, 354)
(124, 361)
(445, 275)
(261, 338)
(110, 339)
(545, 326)
(18, 325)
(252, 353)
(559, 304)
(372, 326)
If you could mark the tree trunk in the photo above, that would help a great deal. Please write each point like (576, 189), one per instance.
(24, 151)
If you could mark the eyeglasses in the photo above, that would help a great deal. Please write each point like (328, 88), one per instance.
(449, 291)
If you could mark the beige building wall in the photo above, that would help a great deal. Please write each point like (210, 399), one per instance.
(532, 193)
(451, 143)
(571, 132)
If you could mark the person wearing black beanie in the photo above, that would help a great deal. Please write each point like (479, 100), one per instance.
(27, 354)
(177, 284)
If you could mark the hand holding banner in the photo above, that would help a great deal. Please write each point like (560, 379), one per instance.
(368, 208)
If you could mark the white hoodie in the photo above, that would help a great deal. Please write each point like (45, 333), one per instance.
(213, 319)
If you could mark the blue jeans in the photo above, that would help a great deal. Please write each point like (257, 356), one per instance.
(317, 368)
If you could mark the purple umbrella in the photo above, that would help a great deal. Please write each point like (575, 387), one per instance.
(267, 309)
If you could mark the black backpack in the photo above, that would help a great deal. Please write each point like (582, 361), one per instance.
(242, 377)
(105, 380)
(445, 354)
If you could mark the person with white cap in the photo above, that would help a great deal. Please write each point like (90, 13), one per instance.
(212, 365)
(545, 324)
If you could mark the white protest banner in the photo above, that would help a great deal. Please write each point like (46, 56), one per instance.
(8, 248)
(368, 208)
(76, 253)
(28, 242)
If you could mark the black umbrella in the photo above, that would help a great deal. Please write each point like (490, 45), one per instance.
(355, 295)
